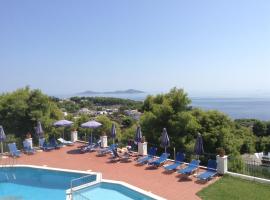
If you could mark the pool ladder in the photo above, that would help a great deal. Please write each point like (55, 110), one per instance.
(6, 167)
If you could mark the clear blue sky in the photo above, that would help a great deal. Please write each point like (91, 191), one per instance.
(204, 46)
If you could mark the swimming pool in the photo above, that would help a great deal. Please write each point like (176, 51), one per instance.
(29, 183)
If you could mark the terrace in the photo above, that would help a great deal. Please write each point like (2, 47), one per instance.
(168, 186)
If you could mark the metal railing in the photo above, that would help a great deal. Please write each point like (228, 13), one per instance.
(79, 196)
(248, 167)
(6, 169)
(79, 183)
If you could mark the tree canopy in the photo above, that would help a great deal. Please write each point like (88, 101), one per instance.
(21, 109)
(173, 111)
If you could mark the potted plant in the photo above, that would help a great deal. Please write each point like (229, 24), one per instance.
(221, 152)
(143, 139)
(28, 135)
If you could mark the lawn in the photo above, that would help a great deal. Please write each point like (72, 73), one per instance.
(232, 188)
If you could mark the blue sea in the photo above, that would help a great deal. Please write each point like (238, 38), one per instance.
(236, 108)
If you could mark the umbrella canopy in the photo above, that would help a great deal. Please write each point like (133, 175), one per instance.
(198, 148)
(63, 123)
(2, 138)
(39, 130)
(113, 132)
(165, 141)
(138, 135)
(2, 134)
(91, 124)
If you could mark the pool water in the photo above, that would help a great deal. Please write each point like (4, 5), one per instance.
(35, 184)
(109, 191)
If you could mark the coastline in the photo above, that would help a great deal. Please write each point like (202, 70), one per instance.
(235, 107)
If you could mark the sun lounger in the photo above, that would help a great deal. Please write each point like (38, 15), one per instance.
(210, 172)
(54, 144)
(91, 147)
(150, 156)
(27, 148)
(107, 149)
(180, 157)
(159, 161)
(191, 168)
(125, 157)
(47, 147)
(14, 152)
(65, 142)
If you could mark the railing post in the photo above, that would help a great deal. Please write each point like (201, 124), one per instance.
(222, 164)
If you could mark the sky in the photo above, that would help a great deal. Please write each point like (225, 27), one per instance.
(69, 46)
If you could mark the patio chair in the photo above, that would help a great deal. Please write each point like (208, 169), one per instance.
(159, 161)
(151, 154)
(210, 172)
(14, 152)
(27, 148)
(191, 168)
(180, 157)
(65, 142)
(107, 150)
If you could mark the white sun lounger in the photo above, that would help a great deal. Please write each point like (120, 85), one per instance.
(65, 142)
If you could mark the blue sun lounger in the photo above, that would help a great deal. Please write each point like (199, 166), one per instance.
(210, 172)
(107, 149)
(159, 161)
(54, 144)
(150, 156)
(179, 160)
(47, 147)
(191, 168)
(14, 152)
(90, 147)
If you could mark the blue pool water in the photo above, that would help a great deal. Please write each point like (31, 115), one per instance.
(109, 191)
(35, 184)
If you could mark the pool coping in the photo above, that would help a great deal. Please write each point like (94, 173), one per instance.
(132, 187)
(53, 169)
(98, 180)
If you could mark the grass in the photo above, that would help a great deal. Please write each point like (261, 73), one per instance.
(231, 188)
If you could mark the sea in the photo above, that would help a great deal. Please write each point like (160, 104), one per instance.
(236, 108)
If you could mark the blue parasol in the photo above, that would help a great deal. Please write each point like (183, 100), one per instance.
(165, 141)
(2, 138)
(91, 124)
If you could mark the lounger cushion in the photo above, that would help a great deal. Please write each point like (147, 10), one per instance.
(172, 166)
(207, 175)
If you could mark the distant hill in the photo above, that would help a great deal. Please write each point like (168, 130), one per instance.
(129, 91)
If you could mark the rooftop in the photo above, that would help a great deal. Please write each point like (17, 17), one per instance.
(169, 186)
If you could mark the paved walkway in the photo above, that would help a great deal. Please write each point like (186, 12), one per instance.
(169, 186)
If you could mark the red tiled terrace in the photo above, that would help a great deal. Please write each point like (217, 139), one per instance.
(169, 186)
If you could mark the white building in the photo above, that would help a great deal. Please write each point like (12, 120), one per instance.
(135, 114)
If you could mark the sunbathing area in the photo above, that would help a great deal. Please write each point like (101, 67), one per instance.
(169, 185)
